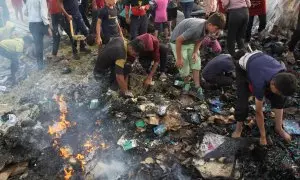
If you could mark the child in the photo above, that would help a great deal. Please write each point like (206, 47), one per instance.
(107, 24)
(161, 17)
(18, 5)
(12, 49)
(185, 43)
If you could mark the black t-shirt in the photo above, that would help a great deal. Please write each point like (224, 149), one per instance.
(71, 7)
(114, 54)
(109, 20)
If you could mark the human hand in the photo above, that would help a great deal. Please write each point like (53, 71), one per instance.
(69, 17)
(147, 81)
(128, 20)
(179, 63)
(194, 57)
(49, 31)
(99, 41)
(263, 140)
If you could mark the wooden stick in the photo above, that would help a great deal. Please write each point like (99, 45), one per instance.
(71, 28)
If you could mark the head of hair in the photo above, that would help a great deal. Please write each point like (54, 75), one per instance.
(285, 83)
(151, 28)
(137, 45)
(28, 39)
(238, 54)
(217, 19)
(91, 39)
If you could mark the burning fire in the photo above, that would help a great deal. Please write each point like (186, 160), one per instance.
(66, 152)
(68, 173)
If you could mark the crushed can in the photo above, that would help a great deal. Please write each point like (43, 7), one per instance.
(94, 104)
(178, 83)
(160, 129)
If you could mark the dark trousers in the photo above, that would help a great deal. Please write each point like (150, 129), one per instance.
(95, 14)
(296, 36)
(219, 80)
(82, 9)
(138, 25)
(243, 93)
(59, 19)
(262, 25)
(146, 59)
(187, 8)
(237, 26)
(38, 30)
(14, 57)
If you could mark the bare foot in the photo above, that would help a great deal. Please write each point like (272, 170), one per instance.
(236, 134)
(284, 135)
(263, 141)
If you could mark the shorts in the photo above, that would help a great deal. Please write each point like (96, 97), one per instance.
(157, 26)
(172, 14)
(187, 52)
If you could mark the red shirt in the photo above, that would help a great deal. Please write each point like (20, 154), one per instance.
(258, 7)
(100, 3)
(151, 45)
(53, 7)
(220, 7)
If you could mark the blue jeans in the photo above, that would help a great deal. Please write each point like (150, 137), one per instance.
(187, 8)
(138, 25)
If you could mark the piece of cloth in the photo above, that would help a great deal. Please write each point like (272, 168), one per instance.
(138, 25)
(161, 11)
(188, 64)
(258, 7)
(187, 8)
(243, 93)
(212, 43)
(59, 19)
(210, 6)
(83, 10)
(71, 7)
(38, 30)
(98, 4)
(135, 5)
(237, 26)
(296, 35)
(192, 30)
(146, 60)
(261, 68)
(244, 59)
(6, 31)
(109, 22)
(218, 67)
(15, 45)
(235, 4)
(37, 11)
(151, 46)
(262, 25)
(114, 54)
(53, 7)
(5, 13)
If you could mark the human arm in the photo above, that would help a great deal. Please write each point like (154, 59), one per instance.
(120, 29)
(248, 2)
(179, 42)
(122, 83)
(94, 5)
(196, 51)
(225, 3)
(98, 32)
(44, 12)
(260, 120)
(61, 6)
(127, 8)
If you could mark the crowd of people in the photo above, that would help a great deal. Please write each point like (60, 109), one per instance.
(130, 30)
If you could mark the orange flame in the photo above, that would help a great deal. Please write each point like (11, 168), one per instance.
(65, 152)
(68, 173)
(80, 158)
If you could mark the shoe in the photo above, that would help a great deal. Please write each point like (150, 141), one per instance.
(197, 92)
(85, 50)
(76, 56)
(163, 77)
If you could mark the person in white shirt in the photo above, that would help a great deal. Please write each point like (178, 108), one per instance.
(37, 12)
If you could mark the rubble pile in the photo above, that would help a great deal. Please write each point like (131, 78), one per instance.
(56, 126)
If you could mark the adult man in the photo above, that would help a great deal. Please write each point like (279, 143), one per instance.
(96, 6)
(155, 53)
(263, 76)
(70, 9)
(114, 57)
(294, 39)
(37, 11)
(218, 72)
(12, 49)
(138, 20)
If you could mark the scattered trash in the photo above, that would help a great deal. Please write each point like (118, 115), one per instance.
(13, 170)
(7, 121)
(160, 129)
(162, 110)
(121, 116)
(153, 120)
(3, 88)
(195, 118)
(172, 121)
(140, 125)
(94, 104)
(145, 106)
(216, 105)
(219, 119)
(214, 169)
(148, 160)
(292, 126)
(127, 144)
(179, 83)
